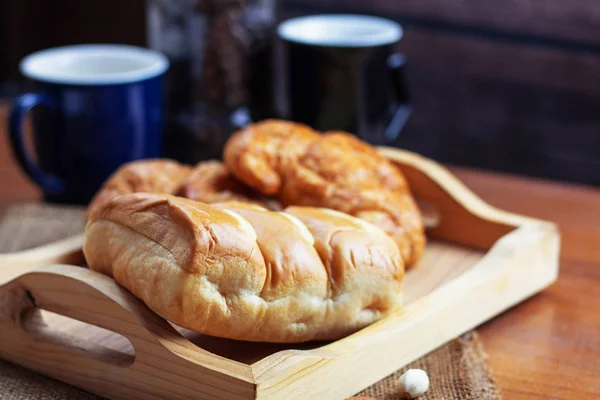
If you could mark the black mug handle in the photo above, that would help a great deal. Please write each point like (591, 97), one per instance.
(402, 107)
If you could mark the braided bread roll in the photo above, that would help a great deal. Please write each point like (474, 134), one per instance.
(299, 166)
(239, 271)
(208, 181)
(151, 175)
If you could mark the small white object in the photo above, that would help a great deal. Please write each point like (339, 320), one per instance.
(414, 383)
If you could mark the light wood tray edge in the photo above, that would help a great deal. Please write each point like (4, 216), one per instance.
(162, 356)
(521, 264)
(465, 219)
(522, 260)
(65, 251)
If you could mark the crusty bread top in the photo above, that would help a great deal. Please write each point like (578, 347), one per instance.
(211, 182)
(150, 175)
(258, 153)
(240, 271)
(208, 181)
(335, 170)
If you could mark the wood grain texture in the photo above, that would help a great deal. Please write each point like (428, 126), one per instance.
(522, 256)
(521, 109)
(463, 218)
(31, 25)
(478, 57)
(549, 347)
(165, 366)
(458, 289)
(66, 251)
(561, 19)
(572, 207)
(555, 328)
(521, 262)
(496, 97)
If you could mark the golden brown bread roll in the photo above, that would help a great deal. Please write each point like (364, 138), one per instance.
(208, 181)
(237, 270)
(211, 182)
(152, 176)
(258, 154)
(335, 170)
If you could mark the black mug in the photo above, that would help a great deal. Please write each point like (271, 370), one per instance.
(339, 72)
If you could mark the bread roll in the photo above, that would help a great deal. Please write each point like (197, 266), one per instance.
(152, 176)
(335, 170)
(210, 182)
(239, 271)
(259, 154)
(207, 181)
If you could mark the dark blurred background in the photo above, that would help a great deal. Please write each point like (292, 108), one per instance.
(509, 85)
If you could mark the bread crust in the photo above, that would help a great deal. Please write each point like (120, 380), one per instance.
(278, 163)
(240, 271)
(335, 170)
(208, 181)
(149, 175)
(211, 182)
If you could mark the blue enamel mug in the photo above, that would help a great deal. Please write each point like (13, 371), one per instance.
(93, 108)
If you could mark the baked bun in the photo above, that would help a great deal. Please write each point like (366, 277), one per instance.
(239, 271)
(207, 181)
(211, 182)
(151, 175)
(259, 154)
(335, 170)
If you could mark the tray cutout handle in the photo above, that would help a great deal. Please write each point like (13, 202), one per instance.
(462, 217)
(166, 365)
(92, 298)
(78, 336)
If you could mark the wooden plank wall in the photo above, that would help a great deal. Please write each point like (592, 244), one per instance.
(30, 25)
(508, 85)
(511, 85)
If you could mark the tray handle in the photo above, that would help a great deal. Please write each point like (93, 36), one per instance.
(452, 211)
(65, 251)
(93, 298)
(89, 297)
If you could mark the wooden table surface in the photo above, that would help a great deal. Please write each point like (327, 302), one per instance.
(545, 348)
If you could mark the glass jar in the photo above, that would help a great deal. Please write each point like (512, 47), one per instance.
(221, 69)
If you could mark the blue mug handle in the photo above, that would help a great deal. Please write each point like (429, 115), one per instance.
(402, 107)
(21, 106)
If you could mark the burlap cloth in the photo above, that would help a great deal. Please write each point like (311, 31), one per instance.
(457, 371)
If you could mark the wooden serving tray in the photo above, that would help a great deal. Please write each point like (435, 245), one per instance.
(80, 327)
